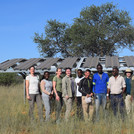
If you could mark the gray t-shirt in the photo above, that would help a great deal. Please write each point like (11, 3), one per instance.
(48, 85)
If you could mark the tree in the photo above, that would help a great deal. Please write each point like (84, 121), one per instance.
(56, 39)
(100, 30)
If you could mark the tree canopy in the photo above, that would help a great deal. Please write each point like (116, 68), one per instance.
(99, 31)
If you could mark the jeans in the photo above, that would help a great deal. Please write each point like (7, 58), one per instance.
(68, 104)
(59, 106)
(46, 102)
(117, 104)
(100, 99)
(35, 98)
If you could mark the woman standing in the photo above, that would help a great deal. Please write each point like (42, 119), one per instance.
(57, 87)
(32, 92)
(68, 91)
(46, 87)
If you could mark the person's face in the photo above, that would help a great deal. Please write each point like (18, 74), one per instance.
(59, 72)
(79, 73)
(46, 75)
(32, 70)
(87, 74)
(99, 69)
(115, 72)
(68, 72)
(128, 74)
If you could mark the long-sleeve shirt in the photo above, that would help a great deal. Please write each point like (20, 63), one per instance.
(100, 83)
(85, 86)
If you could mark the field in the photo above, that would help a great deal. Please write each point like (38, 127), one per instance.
(14, 119)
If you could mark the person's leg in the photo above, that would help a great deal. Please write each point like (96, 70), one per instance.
(85, 108)
(68, 103)
(58, 107)
(79, 107)
(46, 102)
(91, 111)
(31, 105)
(104, 104)
(113, 104)
(39, 105)
(121, 106)
(128, 103)
(97, 105)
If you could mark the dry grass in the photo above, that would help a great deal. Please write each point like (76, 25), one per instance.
(14, 119)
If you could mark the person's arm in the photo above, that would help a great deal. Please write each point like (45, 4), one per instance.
(54, 89)
(80, 88)
(108, 89)
(94, 83)
(27, 89)
(42, 85)
(91, 94)
(123, 85)
(64, 88)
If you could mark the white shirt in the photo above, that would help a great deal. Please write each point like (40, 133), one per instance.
(116, 85)
(33, 84)
(77, 80)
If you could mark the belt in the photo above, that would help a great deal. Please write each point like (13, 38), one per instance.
(116, 94)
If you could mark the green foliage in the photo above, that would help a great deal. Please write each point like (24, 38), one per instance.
(99, 31)
(6, 79)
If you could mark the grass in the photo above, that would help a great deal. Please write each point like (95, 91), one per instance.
(14, 119)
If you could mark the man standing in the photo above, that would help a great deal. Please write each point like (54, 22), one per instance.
(116, 88)
(85, 87)
(68, 91)
(78, 94)
(129, 90)
(100, 81)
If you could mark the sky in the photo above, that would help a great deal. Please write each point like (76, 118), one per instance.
(20, 19)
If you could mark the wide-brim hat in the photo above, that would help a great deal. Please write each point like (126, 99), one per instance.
(128, 70)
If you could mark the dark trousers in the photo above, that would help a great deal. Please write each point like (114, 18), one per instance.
(117, 104)
(59, 105)
(35, 98)
(79, 107)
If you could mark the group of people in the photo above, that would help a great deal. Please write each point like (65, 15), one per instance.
(89, 92)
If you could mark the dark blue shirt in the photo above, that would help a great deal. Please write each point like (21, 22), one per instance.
(128, 85)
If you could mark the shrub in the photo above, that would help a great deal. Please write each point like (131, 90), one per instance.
(6, 79)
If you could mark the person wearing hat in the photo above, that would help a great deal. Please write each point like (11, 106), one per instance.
(129, 89)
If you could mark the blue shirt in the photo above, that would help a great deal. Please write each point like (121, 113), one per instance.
(100, 83)
(128, 85)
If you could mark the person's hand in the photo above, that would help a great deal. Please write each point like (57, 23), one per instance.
(107, 98)
(87, 95)
(78, 84)
(131, 98)
(28, 97)
(57, 98)
(67, 97)
(50, 96)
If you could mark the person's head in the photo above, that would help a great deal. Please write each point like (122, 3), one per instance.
(99, 68)
(87, 73)
(79, 72)
(46, 75)
(32, 70)
(115, 71)
(58, 71)
(68, 71)
(128, 72)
